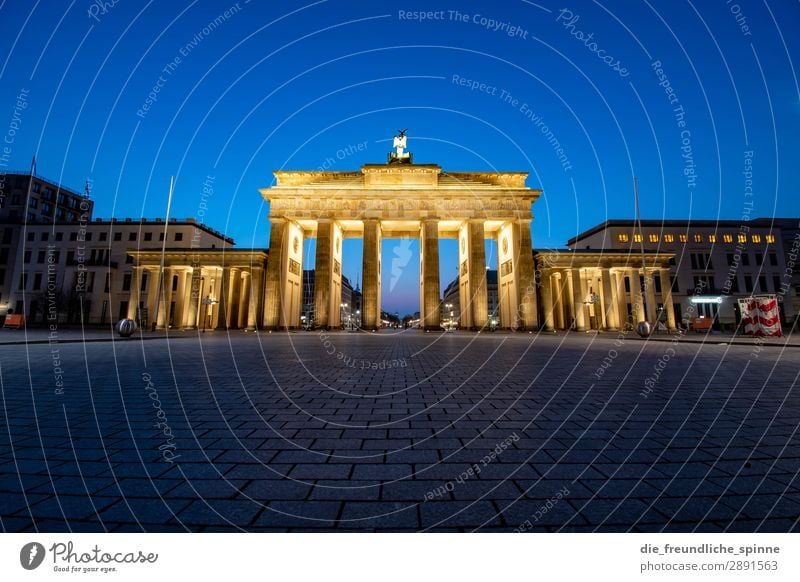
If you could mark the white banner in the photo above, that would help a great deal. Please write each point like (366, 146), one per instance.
(399, 557)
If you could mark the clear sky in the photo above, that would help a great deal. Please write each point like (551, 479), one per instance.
(582, 98)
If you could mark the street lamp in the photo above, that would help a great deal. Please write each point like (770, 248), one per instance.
(208, 301)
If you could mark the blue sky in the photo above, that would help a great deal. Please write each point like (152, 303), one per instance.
(292, 84)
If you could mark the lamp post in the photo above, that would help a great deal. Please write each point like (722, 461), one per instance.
(208, 301)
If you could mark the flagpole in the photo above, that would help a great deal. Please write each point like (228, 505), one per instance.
(160, 280)
(643, 327)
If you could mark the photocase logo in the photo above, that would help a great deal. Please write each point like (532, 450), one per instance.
(31, 555)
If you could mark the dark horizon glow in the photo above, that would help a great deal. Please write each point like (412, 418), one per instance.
(239, 89)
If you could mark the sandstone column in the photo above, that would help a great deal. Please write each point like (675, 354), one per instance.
(136, 292)
(526, 281)
(323, 274)
(244, 293)
(578, 295)
(193, 296)
(430, 274)
(371, 275)
(274, 285)
(180, 300)
(216, 309)
(650, 289)
(253, 315)
(152, 294)
(666, 298)
(547, 300)
(622, 298)
(610, 316)
(478, 297)
(637, 303)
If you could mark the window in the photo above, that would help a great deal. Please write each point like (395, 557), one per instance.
(160, 236)
(653, 238)
(735, 284)
(637, 238)
(776, 284)
(15, 199)
(682, 238)
(742, 238)
(179, 237)
(73, 236)
(70, 217)
(59, 213)
(40, 257)
(132, 236)
(88, 237)
(59, 236)
(30, 217)
(70, 257)
(60, 198)
(126, 282)
(759, 259)
(770, 238)
(674, 280)
(712, 238)
(773, 259)
(746, 259)
(668, 238)
(698, 238)
(103, 236)
(43, 237)
(48, 194)
(37, 281)
(7, 233)
(2, 276)
(56, 257)
(27, 256)
(756, 238)
(729, 258)
(117, 236)
(748, 284)
(33, 202)
(128, 260)
(700, 260)
(31, 236)
(47, 210)
(36, 187)
(143, 286)
(623, 238)
(148, 236)
(23, 281)
(3, 256)
(107, 286)
(762, 283)
(728, 238)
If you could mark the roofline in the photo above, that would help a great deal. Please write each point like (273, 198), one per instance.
(618, 222)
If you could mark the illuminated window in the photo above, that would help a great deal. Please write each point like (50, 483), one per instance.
(637, 238)
(712, 238)
(770, 238)
(652, 238)
(682, 238)
(756, 238)
(623, 238)
(698, 238)
(669, 238)
(727, 238)
(742, 238)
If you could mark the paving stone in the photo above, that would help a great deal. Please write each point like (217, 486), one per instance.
(369, 445)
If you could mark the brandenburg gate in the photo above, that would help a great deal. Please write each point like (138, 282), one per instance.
(393, 200)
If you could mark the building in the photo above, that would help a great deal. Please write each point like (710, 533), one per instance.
(451, 302)
(715, 262)
(83, 272)
(349, 307)
(48, 202)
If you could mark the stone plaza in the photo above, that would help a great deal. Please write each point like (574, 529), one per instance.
(407, 431)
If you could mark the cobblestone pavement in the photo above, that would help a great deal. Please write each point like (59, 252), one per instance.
(407, 431)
